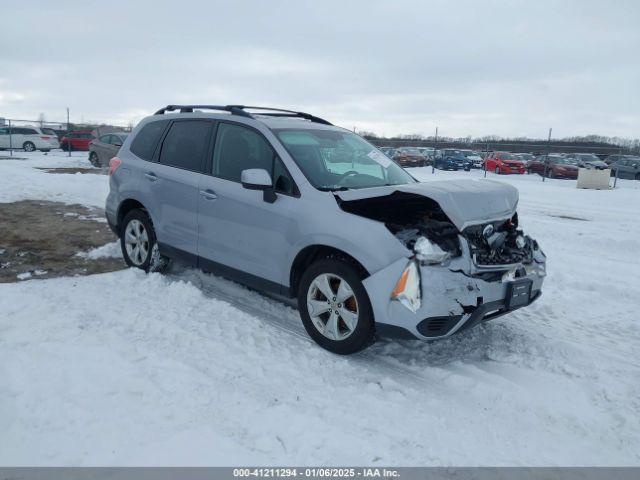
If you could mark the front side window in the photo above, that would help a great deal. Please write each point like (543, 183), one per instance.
(334, 160)
(185, 144)
(105, 138)
(238, 148)
(147, 139)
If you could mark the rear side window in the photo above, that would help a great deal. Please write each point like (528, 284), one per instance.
(146, 140)
(105, 138)
(185, 144)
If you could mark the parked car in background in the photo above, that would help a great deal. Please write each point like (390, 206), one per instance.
(628, 167)
(429, 154)
(611, 159)
(361, 246)
(525, 157)
(409, 157)
(76, 140)
(28, 139)
(451, 159)
(504, 162)
(554, 166)
(388, 151)
(587, 160)
(474, 157)
(105, 147)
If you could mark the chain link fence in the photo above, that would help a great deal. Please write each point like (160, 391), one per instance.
(29, 135)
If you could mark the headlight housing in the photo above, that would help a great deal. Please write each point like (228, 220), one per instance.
(407, 289)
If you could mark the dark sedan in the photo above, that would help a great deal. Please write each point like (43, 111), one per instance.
(587, 160)
(451, 159)
(628, 167)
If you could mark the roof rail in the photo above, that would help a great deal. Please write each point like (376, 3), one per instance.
(241, 111)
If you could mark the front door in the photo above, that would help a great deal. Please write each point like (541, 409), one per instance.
(239, 233)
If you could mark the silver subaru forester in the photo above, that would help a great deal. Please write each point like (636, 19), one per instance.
(286, 203)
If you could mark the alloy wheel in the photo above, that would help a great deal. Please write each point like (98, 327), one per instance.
(332, 306)
(136, 241)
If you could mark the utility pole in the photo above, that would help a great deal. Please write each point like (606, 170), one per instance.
(546, 158)
(10, 139)
(435, 149)
(68, 144)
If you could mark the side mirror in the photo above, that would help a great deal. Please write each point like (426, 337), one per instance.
(258, 179)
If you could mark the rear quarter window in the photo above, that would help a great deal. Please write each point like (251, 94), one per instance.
(147, 139)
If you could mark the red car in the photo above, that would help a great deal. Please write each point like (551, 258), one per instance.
(77, 140)
(503, 162)
(554, 166)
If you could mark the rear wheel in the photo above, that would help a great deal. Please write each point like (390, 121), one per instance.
(94, 160)
(138, 243)
(497, 170)
(335, 308)
(29, 147)
(637, 176)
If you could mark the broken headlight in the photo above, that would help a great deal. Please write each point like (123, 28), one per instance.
(407, 290)
(429, 252)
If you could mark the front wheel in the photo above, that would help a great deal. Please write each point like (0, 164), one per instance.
(29, 147)
(497, 170)
(335, 308)
(138, 243)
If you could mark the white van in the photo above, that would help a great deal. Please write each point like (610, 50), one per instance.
(28, 139)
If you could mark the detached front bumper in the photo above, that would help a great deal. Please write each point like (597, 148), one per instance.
(451, 299)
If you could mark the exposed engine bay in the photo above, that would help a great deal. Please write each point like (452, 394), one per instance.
(499, 243)
(422, 226)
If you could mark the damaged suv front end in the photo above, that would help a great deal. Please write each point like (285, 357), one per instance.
(467, 259)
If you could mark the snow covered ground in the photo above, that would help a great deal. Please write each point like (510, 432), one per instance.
(189, 369)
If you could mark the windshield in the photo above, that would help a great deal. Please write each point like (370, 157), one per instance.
(340, 160)
(470, 154)
(508, 156)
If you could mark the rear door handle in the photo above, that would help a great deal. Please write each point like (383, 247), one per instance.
(208, 194)
(151, 176)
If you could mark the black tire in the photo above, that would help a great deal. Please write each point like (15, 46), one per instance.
(29, 147)
(364, 333)
(637, 177)
(153, 261)
(552, 174)
(94, 159)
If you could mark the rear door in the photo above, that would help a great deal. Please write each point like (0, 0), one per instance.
(172, 183)
(240, 233)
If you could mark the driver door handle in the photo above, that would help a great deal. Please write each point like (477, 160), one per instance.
(208, 194)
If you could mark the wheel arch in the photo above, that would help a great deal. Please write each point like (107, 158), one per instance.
(127, 206)
(311, 253)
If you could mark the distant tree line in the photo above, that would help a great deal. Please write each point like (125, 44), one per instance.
(589, 143)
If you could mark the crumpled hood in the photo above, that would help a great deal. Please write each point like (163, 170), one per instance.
(465, 202)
